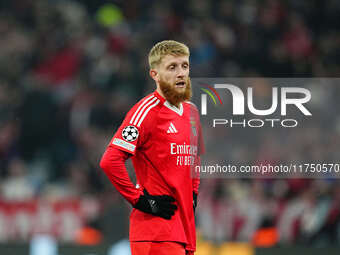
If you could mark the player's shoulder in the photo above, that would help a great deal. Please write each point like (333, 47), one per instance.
(192, 109)
(143, 109)
(190, 105)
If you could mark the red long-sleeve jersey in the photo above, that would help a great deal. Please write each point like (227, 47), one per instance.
(164, 143)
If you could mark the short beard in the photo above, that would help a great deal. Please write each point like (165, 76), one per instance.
(171, 95)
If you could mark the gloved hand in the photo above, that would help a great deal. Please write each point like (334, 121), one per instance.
(162, 206)
(194, 202)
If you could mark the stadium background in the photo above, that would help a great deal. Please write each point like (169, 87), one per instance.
(70, 70)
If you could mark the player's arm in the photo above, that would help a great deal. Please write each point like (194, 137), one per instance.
(196, 176)
(201, 149)
(121, 147)
(195, 183)
(130, 136)
(113, 164)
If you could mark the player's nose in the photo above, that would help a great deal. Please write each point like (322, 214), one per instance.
(181, 73)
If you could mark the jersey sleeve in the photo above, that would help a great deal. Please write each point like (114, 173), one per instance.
(201, 148)
(113, 164)
(132, 132)
(196, 176)
(196, 116)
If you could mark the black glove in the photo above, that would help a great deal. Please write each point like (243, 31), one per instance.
(194, 202)
(162, 206)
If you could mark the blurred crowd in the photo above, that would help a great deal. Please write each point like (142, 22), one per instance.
(70, 70)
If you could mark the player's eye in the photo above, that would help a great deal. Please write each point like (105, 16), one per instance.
(185, 66)
(172, 67)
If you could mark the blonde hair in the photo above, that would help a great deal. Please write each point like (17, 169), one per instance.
(164, 48)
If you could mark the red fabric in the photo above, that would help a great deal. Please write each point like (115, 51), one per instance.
(195, 184)
(113, 164)
(163, 159)
(157, 248)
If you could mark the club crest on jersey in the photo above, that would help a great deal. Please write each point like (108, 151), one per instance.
(130, 133)
(193, 127)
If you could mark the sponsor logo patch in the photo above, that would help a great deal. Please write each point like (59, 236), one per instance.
(123, 144)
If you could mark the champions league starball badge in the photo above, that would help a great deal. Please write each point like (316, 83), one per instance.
(130, 133)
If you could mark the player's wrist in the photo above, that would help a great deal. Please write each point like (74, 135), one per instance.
(162, 206)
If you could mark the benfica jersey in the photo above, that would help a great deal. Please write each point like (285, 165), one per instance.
(165, 143)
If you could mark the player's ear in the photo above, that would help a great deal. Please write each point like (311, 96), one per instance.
(154, 74)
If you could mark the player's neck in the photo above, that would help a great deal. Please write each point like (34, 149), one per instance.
(160, 92)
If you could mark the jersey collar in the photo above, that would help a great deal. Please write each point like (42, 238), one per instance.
(179, 110)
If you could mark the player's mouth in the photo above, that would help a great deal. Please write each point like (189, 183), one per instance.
(180, 84)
